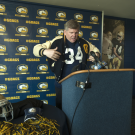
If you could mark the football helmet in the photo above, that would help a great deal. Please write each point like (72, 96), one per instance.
(6, 108)
(120, 35)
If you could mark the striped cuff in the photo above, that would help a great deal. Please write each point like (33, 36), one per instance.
(41, 52)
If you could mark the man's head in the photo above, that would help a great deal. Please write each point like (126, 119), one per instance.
(120, 35)
(71, 30)
(109, 35)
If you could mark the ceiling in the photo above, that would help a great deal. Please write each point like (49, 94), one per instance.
(116, 8)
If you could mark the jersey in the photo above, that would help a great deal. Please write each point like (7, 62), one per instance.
(73, 56)
(119, 46)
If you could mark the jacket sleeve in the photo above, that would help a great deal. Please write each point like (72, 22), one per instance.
(93, 48)
(39, 48)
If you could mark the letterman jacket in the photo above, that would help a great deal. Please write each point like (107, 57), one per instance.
(60, 42)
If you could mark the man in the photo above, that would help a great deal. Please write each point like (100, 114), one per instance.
(118, 47)
(107, 48)
(64, 53)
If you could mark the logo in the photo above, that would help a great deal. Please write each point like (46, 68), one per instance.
(42, 68)
(93, 35)
(22, 86)
(3, 68)
(22, 30)
(52, 24)
(50, 77)
(80, 33)
(33, 78)
(86, 27)
(10, 40)
(32, 41)
(51, 95)
(60, 32)
(33, 96)
(2, 29)
(22, 11)
(45, 101)
(13, 98)
(11, 20)
(42, 14)
(12, 79)
(42, 86)
(94, 19)
(61, 16)
(78, 17)
(32, 110)
(85, 46)
(3, 87)
(32, 22)
(2, 8)
(22, 50)
(11, 59)
(42, 32)
(2, 48)
(22, 69)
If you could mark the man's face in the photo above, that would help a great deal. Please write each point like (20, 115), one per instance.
(109, 35)
(71, 34)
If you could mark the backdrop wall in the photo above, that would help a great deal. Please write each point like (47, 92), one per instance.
(23, 25)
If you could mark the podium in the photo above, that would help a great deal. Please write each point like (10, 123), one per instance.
(105, 108)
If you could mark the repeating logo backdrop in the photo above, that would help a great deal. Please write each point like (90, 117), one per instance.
(24, 25)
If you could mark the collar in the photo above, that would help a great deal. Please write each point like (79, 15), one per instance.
(65, 38)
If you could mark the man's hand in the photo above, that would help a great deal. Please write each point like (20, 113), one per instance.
(52, 53)
(120, 58)
(91, 58)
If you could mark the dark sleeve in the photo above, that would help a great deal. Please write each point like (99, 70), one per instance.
(114, 42)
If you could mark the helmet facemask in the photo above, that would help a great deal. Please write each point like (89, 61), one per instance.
(6, 109)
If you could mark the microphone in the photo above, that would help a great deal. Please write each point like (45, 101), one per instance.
(97, 62)
(94, 55)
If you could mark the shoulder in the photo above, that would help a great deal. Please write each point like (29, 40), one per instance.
(83, 41)
(57, 41)
(114, 41)
(57, 38)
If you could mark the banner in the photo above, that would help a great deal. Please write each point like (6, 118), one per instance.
(22, 26)
(113, 43)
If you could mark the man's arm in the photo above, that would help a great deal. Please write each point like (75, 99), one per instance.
(40, 50)
(114, 50)
(52, 53)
